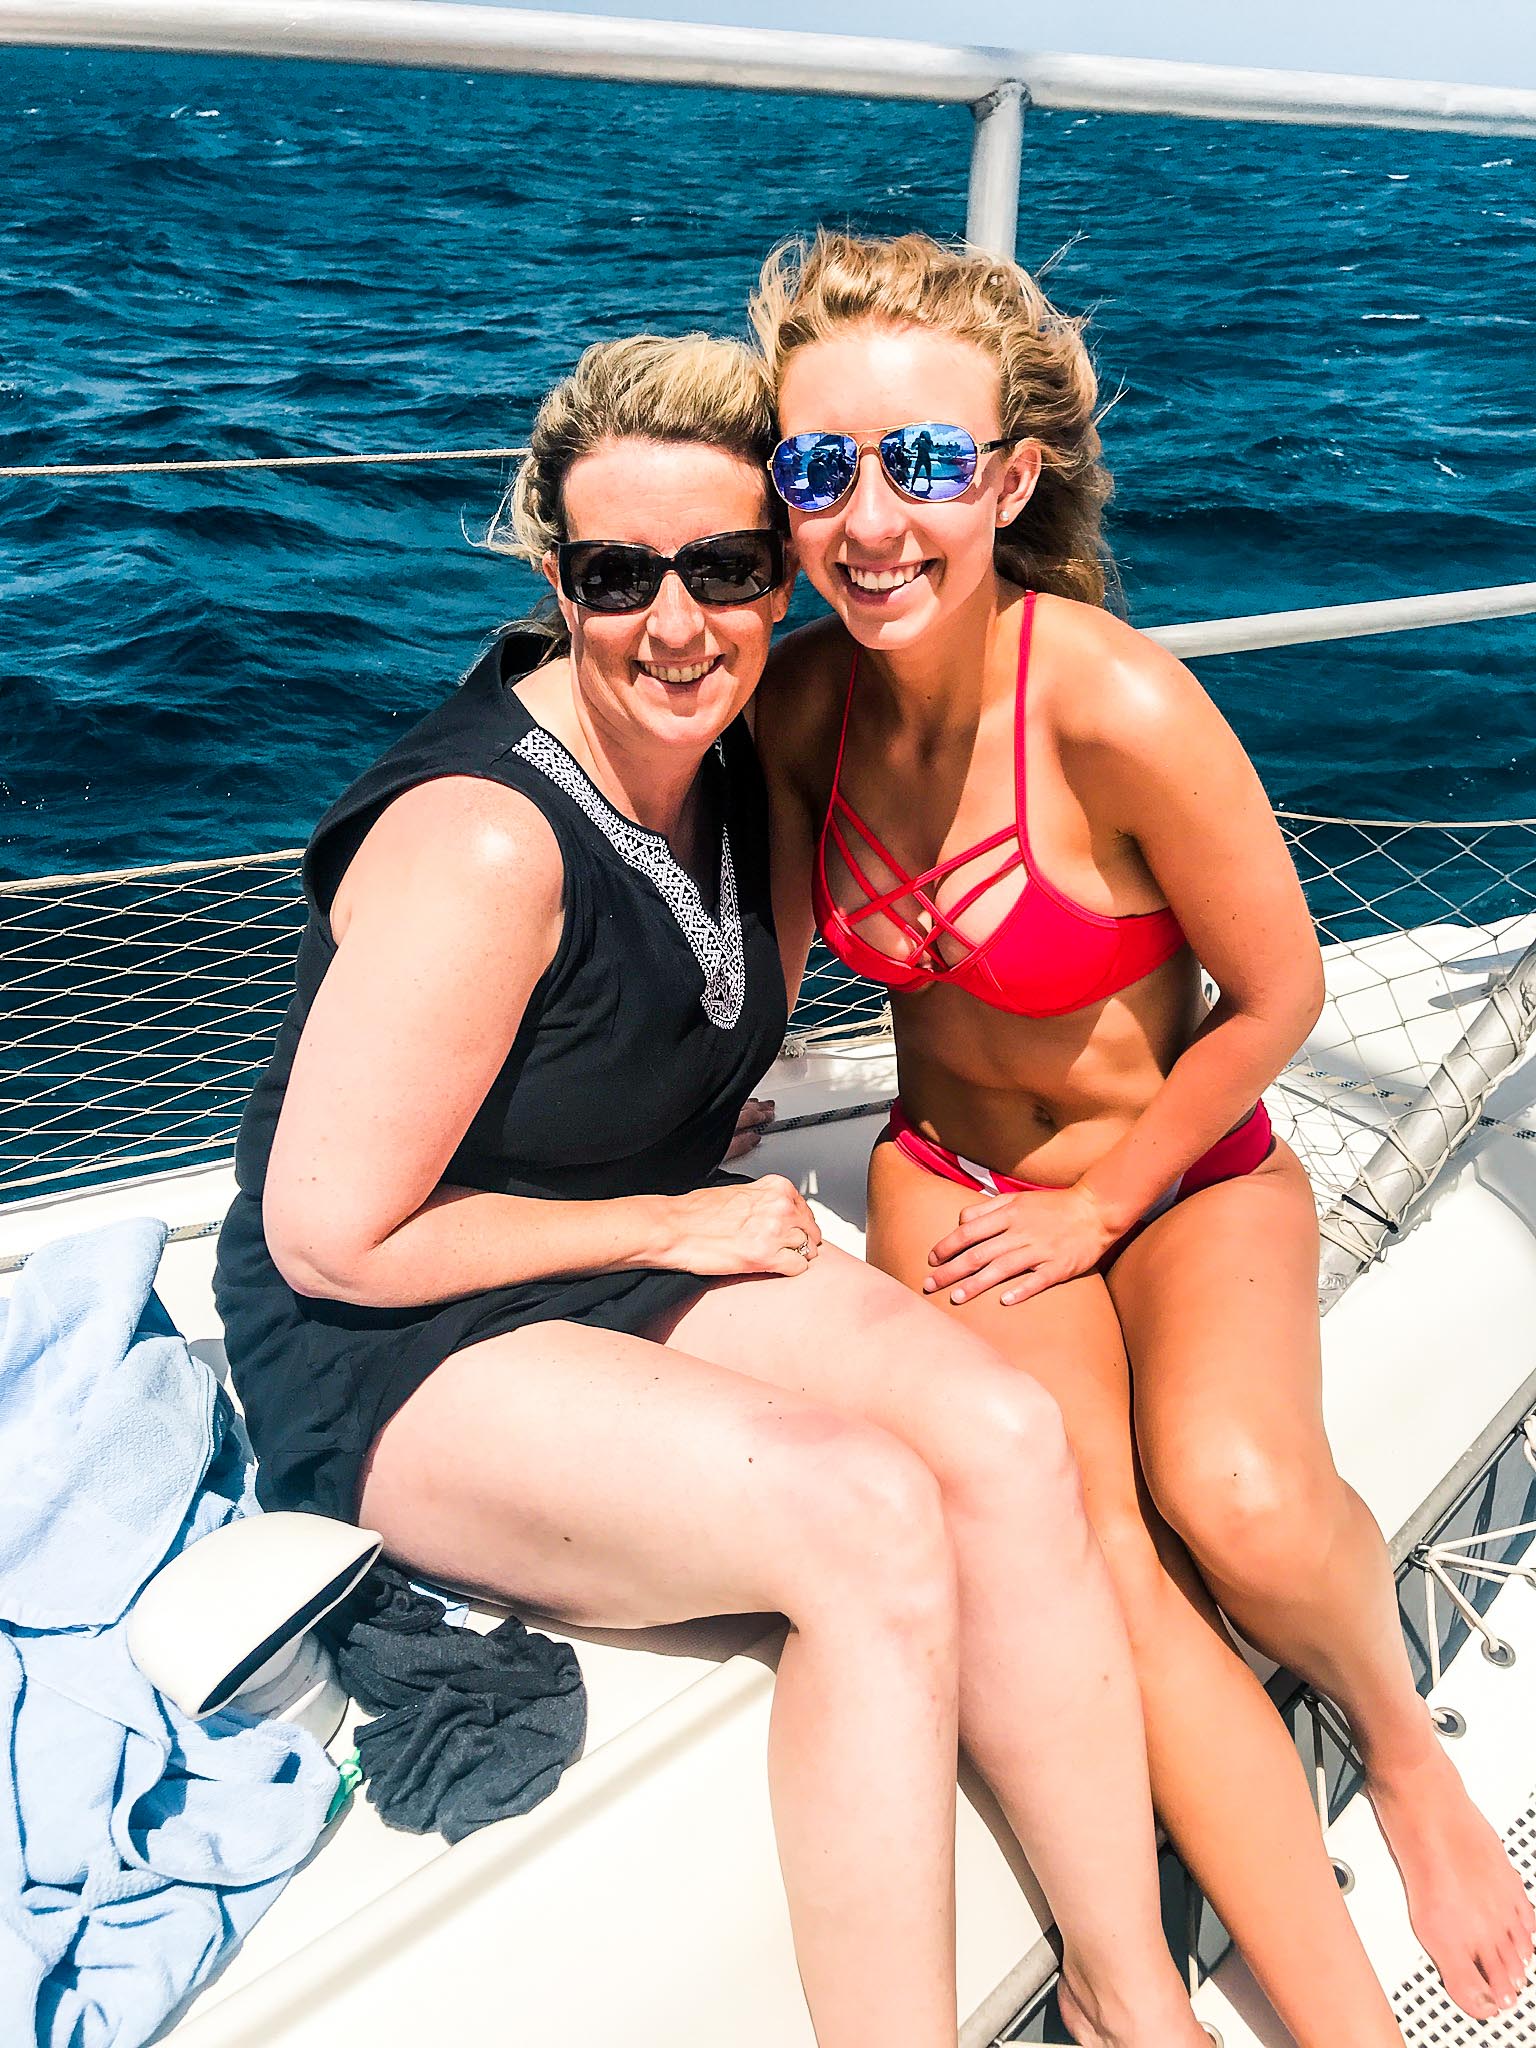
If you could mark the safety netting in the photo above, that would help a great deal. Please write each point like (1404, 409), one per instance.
(138, 1008)
(1420, 923)
(139, 1005)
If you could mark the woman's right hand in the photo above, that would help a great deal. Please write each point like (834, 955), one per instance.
(755, 1226)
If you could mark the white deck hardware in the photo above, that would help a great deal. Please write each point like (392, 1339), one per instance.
(1360, 1219)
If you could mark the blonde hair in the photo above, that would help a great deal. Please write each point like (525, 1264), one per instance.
(1048, 392)
(649, 387)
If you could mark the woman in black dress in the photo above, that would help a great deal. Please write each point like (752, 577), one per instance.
(486, 1287)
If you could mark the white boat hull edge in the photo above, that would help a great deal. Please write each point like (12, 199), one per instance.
(642, 1902)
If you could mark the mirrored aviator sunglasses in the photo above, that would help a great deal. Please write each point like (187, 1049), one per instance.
(928, 462)
(622, 576)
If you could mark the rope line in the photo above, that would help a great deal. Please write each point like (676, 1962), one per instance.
(144, 1001)
(74, 469)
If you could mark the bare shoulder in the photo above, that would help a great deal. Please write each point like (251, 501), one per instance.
(800, 699)
(1115, 688)
(461, 846)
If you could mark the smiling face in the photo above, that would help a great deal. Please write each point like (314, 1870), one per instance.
(894, 569)
(678, 670)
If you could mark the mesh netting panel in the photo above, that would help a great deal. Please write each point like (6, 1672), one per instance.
(836, 1006)
(138, 1007)
(1416, 921)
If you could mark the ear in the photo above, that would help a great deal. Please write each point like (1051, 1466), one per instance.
(779, 599)
(1021, 473)
(551, 568)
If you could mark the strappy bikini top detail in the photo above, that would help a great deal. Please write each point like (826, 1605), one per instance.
(1047, 957)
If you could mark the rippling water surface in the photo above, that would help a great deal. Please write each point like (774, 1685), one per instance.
(1324, 345)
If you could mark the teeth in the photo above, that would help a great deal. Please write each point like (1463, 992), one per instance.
(690, 674)
(882, 579)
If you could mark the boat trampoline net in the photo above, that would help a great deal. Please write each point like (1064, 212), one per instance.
(139, 1005)
(1419, 924)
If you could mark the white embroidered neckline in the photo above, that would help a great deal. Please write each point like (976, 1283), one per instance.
(716, 945)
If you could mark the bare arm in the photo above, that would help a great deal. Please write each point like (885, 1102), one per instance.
(1182, 787)
(448, 916)
(1169, 772)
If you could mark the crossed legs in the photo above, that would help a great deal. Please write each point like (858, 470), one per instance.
(1226, 1779)
(1218, 1304)
(824, 1447)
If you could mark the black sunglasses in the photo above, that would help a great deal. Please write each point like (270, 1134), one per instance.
(722, 569)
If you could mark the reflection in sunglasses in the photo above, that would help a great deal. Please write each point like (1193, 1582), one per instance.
(926, 461)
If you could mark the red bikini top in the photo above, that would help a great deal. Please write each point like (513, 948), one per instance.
(1047, 957)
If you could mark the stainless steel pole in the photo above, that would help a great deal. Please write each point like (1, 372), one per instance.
(497, 37)
(992, 211)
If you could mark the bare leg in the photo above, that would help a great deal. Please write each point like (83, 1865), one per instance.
(1225, 1777)
(1048, 1700)
(1218, 1301)
(612, 1482)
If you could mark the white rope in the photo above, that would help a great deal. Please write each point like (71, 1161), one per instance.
(75, 469)
(1310, 818)
(57, 884)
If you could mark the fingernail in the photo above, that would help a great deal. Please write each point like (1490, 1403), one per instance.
(957, 1297)
(929, 1284)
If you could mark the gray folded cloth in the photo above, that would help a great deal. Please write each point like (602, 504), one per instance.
(469, 1728)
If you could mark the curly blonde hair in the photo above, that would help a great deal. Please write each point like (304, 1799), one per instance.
(649, 387)
(1048, 392)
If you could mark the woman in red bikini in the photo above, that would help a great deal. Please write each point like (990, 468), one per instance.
(1030, 823)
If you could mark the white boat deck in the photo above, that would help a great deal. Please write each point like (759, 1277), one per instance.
(642, 1901)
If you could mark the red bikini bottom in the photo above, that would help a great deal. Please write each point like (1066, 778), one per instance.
(1243, 1148)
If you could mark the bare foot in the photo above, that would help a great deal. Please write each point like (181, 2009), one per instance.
(1465, 1899)
(1173, 2025)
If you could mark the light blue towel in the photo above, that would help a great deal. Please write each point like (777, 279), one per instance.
(135, 1845)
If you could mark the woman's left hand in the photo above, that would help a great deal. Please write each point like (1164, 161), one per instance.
(1023, 1243)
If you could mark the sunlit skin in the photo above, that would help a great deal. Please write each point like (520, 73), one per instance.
(625, 712)
(788, 1444)
(1138, 795)
(935, 713)
(688, 486)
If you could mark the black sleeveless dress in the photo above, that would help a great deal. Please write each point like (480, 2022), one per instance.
(641, 1041)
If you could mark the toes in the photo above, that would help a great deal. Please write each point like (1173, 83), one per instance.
(1515, 1947)
(1466, 1985)
(1469, 1985)
(1515, 1958)
(1501, 1973)
(1503, 1977)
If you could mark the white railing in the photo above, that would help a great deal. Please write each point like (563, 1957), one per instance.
(996, 84)
(439, 33)
(1345, 621)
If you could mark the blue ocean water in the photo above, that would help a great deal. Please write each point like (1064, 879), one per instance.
(1324, 345)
